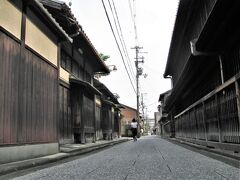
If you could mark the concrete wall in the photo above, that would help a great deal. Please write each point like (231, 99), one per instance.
(23, 152)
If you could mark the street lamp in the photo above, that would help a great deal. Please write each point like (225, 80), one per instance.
(112, 67)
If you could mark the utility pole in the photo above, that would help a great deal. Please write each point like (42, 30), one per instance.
(139, 72)
(142, 106)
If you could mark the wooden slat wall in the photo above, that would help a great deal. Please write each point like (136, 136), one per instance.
(211, 120)
(28, 96)
(88, 111)
(214, 120)
(106, 117)
(167, 129)
(200, 122)
(98, 122)
(65, 119)
(9, 61)
(228, 116)
(116, 122)
(76, 101)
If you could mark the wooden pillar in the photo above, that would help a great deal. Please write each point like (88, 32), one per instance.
(218, 119)
(94, 121)
(83, 119)
(221, 69)
(196, 123)
(58, 93)
(204, 121)
(238, 101)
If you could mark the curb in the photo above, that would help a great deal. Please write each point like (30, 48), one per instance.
(26, 164)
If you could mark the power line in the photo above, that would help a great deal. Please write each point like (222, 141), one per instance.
(118, 45)
(133, 14)
(152, 103)
(126, 51)
(120, 36)
(130, 7)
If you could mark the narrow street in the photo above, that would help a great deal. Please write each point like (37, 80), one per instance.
(149, 158)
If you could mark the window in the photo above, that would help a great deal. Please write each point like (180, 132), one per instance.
(66, 61)
(68, 64)
(63, 60)
(75, 69)
(88, 77)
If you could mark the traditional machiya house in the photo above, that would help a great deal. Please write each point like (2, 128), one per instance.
(204, 65)
(156, 123)
(79, 61)
(108, 113)
(29, 46)
(128, 114)
(164, 121)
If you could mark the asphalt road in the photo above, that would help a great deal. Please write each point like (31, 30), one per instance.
(148, 158)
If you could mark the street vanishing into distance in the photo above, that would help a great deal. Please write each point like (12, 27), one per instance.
(79, 80)
(149, 158)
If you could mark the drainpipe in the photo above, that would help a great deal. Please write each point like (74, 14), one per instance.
(221, 68)
(195, 52)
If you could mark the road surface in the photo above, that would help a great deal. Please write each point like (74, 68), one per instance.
(149, 158)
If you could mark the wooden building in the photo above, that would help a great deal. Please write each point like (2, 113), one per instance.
(79, 62)
(28, 80)
(108, 119)
(204, 65)
(164, 121)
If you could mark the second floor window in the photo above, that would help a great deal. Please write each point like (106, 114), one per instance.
(66, 62)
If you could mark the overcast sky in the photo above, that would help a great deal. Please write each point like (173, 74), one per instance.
(155, 20)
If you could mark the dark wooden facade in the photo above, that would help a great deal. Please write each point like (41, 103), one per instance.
(28, 79)
(79, 62)
(110, 112)
(65, 115)
(98, 117)
(164, 122)
(204, 103)
(83, 111)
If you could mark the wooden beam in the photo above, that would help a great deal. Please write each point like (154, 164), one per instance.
(238, 101)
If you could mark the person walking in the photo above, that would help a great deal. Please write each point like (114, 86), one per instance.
(134, 129)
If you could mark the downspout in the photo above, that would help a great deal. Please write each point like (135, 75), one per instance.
(221, 68)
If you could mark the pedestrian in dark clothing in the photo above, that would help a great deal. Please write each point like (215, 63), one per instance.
(134, 129)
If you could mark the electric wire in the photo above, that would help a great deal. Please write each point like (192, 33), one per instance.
(131, 10)
(152, 103)
(121, 40)
(134, 16)
(124, 44)
(118, 45)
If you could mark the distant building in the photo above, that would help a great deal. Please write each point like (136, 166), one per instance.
(128, 113)
(151, 123)
(157, 116)
(108, 116)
